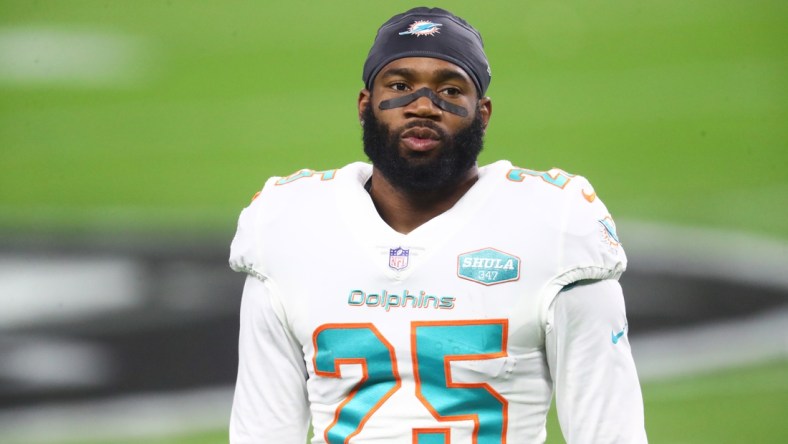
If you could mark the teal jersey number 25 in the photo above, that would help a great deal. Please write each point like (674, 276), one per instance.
(435, 345)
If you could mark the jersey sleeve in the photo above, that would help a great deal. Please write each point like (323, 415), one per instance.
(588, 246)
(597, 391)
(246, 249)
(270, 402)
(591, 247)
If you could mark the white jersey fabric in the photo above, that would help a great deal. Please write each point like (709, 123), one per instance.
(459, 332)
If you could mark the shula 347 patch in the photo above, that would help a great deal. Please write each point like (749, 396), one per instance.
(488, 266)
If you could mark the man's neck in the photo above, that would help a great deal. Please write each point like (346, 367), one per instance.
(405, 211)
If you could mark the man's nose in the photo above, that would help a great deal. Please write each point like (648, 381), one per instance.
(423, 107)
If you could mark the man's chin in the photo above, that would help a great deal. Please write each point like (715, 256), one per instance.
(424, 164)
(419, 159)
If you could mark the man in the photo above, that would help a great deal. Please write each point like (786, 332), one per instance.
(422, 299)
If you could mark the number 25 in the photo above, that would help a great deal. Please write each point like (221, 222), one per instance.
(434, 346)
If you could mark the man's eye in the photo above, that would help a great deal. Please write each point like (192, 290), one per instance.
(399, 86)
(451, 92)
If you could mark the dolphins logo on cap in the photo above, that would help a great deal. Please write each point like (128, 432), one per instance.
(422, 27)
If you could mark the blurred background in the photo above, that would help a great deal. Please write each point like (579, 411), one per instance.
(133, 133)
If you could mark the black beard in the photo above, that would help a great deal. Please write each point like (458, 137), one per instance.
(457, 156)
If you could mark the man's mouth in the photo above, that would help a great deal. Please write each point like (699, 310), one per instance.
(421, 138)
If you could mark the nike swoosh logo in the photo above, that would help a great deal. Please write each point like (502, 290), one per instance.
(589, 196)
(617, 336)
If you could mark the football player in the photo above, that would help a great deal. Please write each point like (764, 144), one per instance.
(423, 299)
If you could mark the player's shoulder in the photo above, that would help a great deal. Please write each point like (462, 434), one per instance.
(553, 186)
(286, 198)
(305, 184)
(283, 205)
(561, 199)
(591, 247)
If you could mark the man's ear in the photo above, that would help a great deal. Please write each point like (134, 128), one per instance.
(485, 108)
(363, 103)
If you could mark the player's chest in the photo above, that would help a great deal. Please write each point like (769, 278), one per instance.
(396, 284)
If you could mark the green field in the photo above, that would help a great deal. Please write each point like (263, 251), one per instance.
(675, 110)
(166, 116)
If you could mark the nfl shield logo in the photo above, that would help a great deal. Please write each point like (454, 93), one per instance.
(398, 258)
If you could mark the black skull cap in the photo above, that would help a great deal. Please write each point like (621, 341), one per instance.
(429, 32)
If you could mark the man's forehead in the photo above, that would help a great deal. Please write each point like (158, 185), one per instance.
(424, 67)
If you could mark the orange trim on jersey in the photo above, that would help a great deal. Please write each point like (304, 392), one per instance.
(447, 371)
(559, 172)
(256, 195)
(433, 430)
(363, 363)
(520, 177)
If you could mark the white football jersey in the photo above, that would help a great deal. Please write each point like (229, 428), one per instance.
(439, 336)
